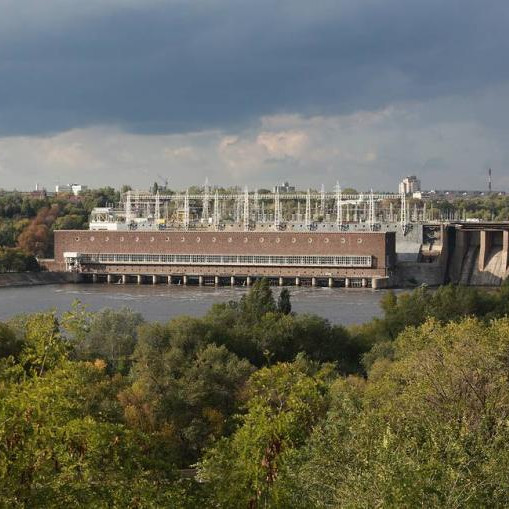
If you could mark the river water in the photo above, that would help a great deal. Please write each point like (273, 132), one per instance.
(161, 303)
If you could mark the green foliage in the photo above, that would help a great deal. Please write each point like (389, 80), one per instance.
(62, 439)
(16, 260)
(284, 304)
(7, 233)
(257, 330)
(184, 390)
(445, 303)
(101, 409)
(284, 402)
(54, 453)
(10, 343)
(258, 301)
(110, 335)
(28, 222)
(44, 347)
(70, 222)
(487, 208)
(425, 430)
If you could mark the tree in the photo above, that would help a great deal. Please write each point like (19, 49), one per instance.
(284, 304)
(70, 222)
(184, 390)
(10, 343)
(15, 260)
(285, 401)
(36, 239)
(54, 453)
(258, 301)
(110, 335)
(62, 442)
(44, 347)
(426, 428)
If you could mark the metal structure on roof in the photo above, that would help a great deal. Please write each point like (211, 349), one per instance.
(215, 210)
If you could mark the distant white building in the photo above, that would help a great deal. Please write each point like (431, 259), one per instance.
(285, 187)
(75, 189)
(410, 185)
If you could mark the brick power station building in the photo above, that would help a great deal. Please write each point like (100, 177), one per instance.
(204, 257)
(234, 239)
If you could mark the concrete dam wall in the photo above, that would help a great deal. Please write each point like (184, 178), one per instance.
(470, 254)
(479, 254)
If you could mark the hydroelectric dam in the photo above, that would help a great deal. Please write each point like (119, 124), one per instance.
(368, 240)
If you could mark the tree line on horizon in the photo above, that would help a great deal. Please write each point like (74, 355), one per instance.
(27, 224)
(256, 406)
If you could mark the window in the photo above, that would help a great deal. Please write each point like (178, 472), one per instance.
(294, 260)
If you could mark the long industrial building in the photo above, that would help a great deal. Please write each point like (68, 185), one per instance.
(319, 238)
(332, 258)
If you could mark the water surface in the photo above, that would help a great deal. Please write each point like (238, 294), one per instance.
(161, 303)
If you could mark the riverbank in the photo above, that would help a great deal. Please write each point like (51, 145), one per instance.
(10, 279)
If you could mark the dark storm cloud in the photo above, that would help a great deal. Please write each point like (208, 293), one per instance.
(174, 66)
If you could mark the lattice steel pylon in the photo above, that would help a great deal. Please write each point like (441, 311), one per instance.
(371, 212)
(246, 209)
(217, 212)
(238, 208)
(339, 205)
(128, 208)
(206, 200)
(277, 210)
(157, 209)
(308, 209)
(403, 213)
(256, 205)
(322, 202)
(186, 210)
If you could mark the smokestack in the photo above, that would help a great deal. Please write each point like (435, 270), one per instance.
(489, 180)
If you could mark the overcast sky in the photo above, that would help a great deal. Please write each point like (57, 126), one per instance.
(112, 92)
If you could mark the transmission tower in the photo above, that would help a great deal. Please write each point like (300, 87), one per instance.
(308, 209)
(339, 205)
(403, 213)
(217, 212)
(277, 210)
(371, 213)
(186, 210)
(246, 209)
(206, 199)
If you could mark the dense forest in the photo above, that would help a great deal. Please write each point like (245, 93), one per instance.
(254, 406)
(27, 223)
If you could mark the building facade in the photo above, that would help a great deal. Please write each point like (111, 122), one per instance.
(410, 185)
(215, 257)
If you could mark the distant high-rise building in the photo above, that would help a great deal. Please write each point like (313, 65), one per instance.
(285, 187)
(410, 185)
